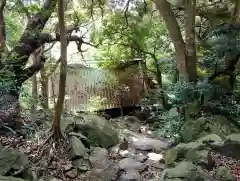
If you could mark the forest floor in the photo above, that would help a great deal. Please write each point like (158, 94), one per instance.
(142, 154)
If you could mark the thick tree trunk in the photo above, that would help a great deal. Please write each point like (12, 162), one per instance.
(63, 72)
(190, 45)
(185, 52)
(34, 88)
(164, 8)
(13, 71)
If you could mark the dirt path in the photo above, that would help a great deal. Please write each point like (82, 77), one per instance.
(140, 156)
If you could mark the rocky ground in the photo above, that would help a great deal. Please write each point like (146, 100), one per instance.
(122, 149)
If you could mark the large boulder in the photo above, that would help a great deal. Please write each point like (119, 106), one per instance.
(200, 157)
(99, 158)
(179, 152)
(11, 160)
(194, 129)
(224, 174)
(78, 149)
(100, 132)
(184, 171)
(2, 178)
(231, 146)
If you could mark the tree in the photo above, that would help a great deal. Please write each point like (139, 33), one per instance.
(185, 51)
(13, 67)
(63, 72)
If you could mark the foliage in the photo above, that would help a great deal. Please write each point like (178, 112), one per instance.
(140, 36)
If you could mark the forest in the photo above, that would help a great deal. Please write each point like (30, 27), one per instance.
(176, 60)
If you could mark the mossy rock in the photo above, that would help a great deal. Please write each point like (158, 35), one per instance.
(231, 146)
(191, 129)
(224, 174)
(200, 157)
(179, 152)
(194, 129)
(2, 178)
(12, 160)
(100, 132)
(184, 171)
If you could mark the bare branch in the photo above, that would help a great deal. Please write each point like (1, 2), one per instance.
(126, 11)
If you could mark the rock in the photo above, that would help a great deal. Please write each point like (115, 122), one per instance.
(149, 144)
(77, 148)
(66, 124)
(132, 119)
(130, 175)
(173, 112)
(72, 173)
(108, 173)
(2, 178)
(49, 179)
(99, 158)
(141, 158)
(155, 157)
(231, 146)
(131, 164)
(191, 129)
(82, 164)
(12, 160)
(179, 152)
(100, 132)
(219, 125)
(224, 174)
(200, 157)
(185, 171)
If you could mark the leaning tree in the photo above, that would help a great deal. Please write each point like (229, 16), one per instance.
(13, 64)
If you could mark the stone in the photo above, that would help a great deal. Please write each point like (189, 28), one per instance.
(179, 152)
(130, 175)
(82, 165)
(233, 138)
(99, 158)
(72, 173)
(231, 146)
(108, 173)
(173, 112)
(224, 174)
(184, 171)
(12, 160)
(131, 164)
(77, 148)
(200, 157)
(141, 158)
(219, 125)
(149, 144)
(100, 132)
(191, 129)
(2, 178)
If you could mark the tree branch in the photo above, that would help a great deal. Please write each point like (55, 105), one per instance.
(29, 40)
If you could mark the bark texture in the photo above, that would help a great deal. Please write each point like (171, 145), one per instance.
(63, 72)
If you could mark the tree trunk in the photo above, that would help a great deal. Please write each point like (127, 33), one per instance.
(164, 8)
(63, 72)
(160, 85)
(34, 88)
(190, 45)
(2, 27)
(44, 89)
(13, 71)
(185, 52)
